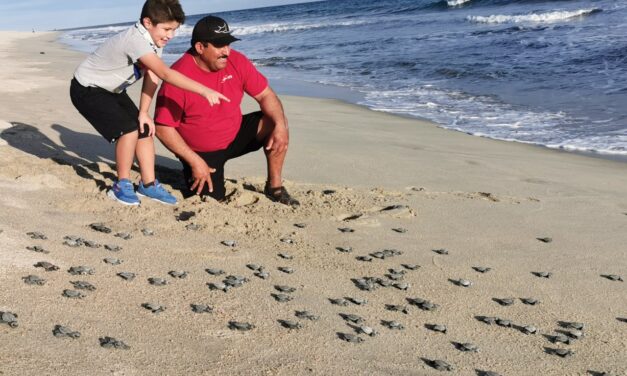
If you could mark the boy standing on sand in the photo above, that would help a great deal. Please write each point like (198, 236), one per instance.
(98, 91)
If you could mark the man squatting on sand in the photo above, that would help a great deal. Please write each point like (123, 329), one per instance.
(98, 91)
(205, 137)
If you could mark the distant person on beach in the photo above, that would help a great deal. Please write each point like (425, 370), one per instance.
(204, 138)
(98, 91)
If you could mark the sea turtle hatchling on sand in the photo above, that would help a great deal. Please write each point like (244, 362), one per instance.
(504, 322)
(192, 227)
(530, 301)
(481, 269)
(154, 308)
(9, 318)
(147, 232)
(437, 328)
(368, 331)
(346, 229)
(542, 274)
(440, 251)
(285, 256)
(344, 249)
(365, 258)
(112, 261)
(351, 338)
(63, 331)
(440, 365)
(229, 243)
(112, 248)
(128, 276)
(285, 289)
(488, 373)
(282, 298)
(300, 225)
(504, 301)
(466, 347)
(613, 277)
(34, 280)
(112, 343)
(292, 325)
(179, 274)
(81, 270)
(37, 235)
(529, 329)
(157, 281)
(400, 230)
(214, 271)
(545, 239)
(123, 235)
(286, 269)
(73, 294)
(574, 333)
(262, 274)
(235, 280)
(287, 240)
(218, 286)
(306, 315)
(352, 318)
(572, 325)
(394, 325)
(46, 266)
(561, 338)
(564, 353)
(241, 326)
(397, 308)
(463, 282)
(357, 301)
(38, 249)
(411, 266)
(423, 304)
(201, 308)
(404, 286)
(100, 227)
(83, 285)
(254, 267)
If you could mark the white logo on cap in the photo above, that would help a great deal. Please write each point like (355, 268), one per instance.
(222, 29)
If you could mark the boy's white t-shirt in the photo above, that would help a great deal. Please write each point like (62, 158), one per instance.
(114, 66)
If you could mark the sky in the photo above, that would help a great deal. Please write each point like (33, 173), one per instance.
(40, 15)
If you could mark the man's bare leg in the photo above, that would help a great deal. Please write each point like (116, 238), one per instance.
(274, 160)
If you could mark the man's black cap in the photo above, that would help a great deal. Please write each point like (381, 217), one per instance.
(214, 30)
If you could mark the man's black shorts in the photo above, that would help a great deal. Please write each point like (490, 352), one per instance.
(245, 142)
(112, 115)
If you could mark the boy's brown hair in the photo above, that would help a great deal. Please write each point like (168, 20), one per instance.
(160, 11)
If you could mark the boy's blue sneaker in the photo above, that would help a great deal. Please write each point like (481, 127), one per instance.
(123, 192)
(157, 193)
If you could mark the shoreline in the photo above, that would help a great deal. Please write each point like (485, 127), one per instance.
(397, 183)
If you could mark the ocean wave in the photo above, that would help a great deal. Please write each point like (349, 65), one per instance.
(455, 3)
(548, 17)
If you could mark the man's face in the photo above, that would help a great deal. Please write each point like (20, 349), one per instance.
(214, 56)
(162, 32)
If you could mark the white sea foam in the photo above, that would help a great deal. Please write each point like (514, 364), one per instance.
(454, 3)
(548, 17)
(295, 26)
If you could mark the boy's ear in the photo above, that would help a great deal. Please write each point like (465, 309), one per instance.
(146, 22)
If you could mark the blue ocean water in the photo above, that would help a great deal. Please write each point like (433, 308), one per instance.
(551, 73)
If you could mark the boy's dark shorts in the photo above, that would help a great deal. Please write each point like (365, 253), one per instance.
(245, 142)
(112, 115)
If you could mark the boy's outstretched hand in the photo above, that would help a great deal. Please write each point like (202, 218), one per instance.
(213, 97)
(146, 120)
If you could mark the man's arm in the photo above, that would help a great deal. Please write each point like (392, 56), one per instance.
(201, 172)
(271, 106)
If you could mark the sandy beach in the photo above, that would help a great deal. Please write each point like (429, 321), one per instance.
(368, 182)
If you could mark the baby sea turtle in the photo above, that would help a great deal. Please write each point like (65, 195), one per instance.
(285, 289)
(81, 270)
(504, 323)
(487, 373)
(112, 261)
(490, 320)
(72, 241)
(504, 301)
(154, 308)
(397, 308)
(380, 282)
(157, 281)
(571, 325)
(394, 207)
(350, 338)
(357, 301)
(395, 325)
(282, 298)
(574, 333)
(397, 271)
(288, 324)
(34, 280)
(438, 364)
(564, 353)
(112, 248)
(229, 243)
(345, 249)
(542, 274)
(254, 267)
(423, 304)
(328, 191)
(481, 269)
(368, 331)
(185, 216)
(83, 285)
(529, 329)
(9, 318)
(300, 225)
(63, 331)
(395, 277)
(73, 294)
(287, 240)
(346, 229)
(440, 251)
(124, 235)
(400, 230)
(262, 274)
(545, 240)
(100, 227)
(365, 284)
(201, 308)
(402, 286)
(286, 269)
(179, 274)
(147, 232)
(466, 347)
(214, 271)
(387, 253)
(235, 280)
(463, 282)
(530, 301)
(437, 328)
(410, 266)
(36, 235)
(46, 266)
(306, 315)
(352, 318)
(127, 276)
(613, 277)
(364, 258)
(91, 244)
(241, 326)
(218, 286)
(38, 249)
(560, 338)
(286, 256)
(112, 343)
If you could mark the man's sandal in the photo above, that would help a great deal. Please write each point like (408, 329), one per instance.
(279, 194)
